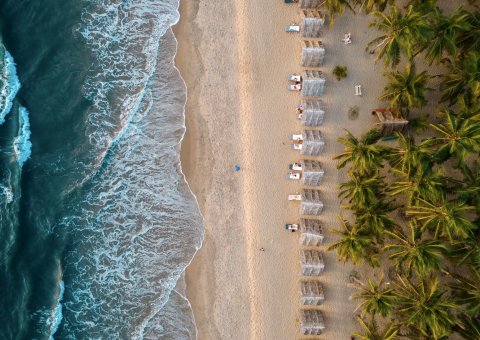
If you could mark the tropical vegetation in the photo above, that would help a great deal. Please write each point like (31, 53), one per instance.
(412, 206)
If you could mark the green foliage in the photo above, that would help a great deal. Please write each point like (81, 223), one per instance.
(407, 89)
(402, 32)
(340, 72)
(371, 330)
(376, 298)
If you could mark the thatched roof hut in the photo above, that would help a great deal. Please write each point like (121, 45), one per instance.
(312, 173)
(312, 24)
(313, 112)
(388, 122)
(309, 3)
(312, 293)
(313, 54)
(311, 322)
(311, 232)
(313, 84)
(313, 143)
(311, 262)
(311, 203)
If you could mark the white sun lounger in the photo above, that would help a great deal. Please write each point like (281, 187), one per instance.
(295, 166)
(358, 90)
(297, 136)
(295, 77)
(293, 175)
(347, 38)
(292, 28)
(296, 146)
(291, 226)
(295, 87)
(296, 197)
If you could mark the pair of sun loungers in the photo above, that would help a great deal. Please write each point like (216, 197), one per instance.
(297, 79)
(358, 90)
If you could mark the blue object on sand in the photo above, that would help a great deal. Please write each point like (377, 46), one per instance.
(237, 168)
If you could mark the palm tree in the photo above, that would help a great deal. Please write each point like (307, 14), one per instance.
(467, 293)
(374, 218)
(468, 327)
(376, 298)
(446, 29)
(469, 190)
(425, 182)
(372, 332)
(361, 190)
(409, 156)
(336, 7)
(370, 5)
(402, 32)
(406, 89)
(462, 78)
(412, 253)
(469, 40)
(424, 305)
(457, 136)
(467, 251)
(365, 155)
(446, 218)
(355, 245)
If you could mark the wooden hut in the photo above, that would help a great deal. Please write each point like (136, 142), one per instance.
(313, 143)
(311, 203)
(311, 232)
(311, 262)
(313, 112)
(312, 173)
(313, 84)
(388, 122)
(309, 3)
(311, 293)
(313, 53)
(311, 322)
(312, 24)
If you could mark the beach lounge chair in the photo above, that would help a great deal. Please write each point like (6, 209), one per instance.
(295, 166)
(296, 146)
(292, 28)
(297, 137)
(295, 87)
(291, 226)
(358, 90)
(295, 197)
(293, 175)
(295, 77)
(299, 116)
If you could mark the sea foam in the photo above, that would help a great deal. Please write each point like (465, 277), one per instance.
(22, 144)
(9, 84)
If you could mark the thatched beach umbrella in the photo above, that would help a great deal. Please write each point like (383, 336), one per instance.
(311, 293)
(311, 262)
(388, 122)
(311, 203)
(313, 112)
(313, 143)
(309, 3)
(313, 53)
(311, 322)
(312, 24)
(312, 173)
(313, 84)
(311, 232)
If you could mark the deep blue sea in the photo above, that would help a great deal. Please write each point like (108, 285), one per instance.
(97, 223)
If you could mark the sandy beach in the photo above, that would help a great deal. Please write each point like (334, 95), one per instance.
(235, 58)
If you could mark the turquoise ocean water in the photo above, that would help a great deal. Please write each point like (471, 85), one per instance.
(97, 221)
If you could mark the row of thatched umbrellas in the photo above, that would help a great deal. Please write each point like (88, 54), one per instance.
(310, 143)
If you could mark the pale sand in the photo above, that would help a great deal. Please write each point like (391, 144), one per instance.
(235, 56)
